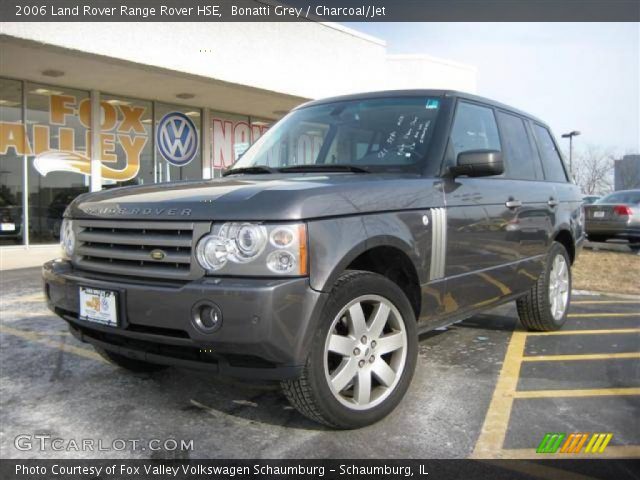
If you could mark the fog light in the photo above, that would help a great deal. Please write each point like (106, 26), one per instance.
(206, 316)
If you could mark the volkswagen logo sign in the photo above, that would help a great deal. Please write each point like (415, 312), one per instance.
(177, 138)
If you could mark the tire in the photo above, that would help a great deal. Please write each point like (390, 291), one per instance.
(127, 363)
(317, 397)
(535, 309)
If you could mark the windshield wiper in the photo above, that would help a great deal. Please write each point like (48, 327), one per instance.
(323, 167)
(254, 169)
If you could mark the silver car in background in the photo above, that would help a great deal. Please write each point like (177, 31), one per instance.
(616, 215)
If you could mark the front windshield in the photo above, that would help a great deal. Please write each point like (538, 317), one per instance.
(384, 134)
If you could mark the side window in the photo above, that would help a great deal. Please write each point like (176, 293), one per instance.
(474, 128)
(517, 147)
(551, 160)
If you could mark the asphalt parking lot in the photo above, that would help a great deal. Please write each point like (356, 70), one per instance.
(483, 388)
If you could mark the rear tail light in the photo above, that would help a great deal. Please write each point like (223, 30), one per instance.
(622, 210)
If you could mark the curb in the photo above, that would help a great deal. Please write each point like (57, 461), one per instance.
(605, 294)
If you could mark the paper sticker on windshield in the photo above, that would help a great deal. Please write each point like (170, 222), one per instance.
(432, 103)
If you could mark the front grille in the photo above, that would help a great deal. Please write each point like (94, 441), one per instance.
(125, 248)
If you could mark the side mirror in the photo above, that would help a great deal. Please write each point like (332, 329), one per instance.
(478, 163)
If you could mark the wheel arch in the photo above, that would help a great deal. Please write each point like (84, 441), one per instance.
(395, 264)
(565, 238)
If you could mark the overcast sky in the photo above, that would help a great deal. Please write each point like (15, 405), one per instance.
(574, 76)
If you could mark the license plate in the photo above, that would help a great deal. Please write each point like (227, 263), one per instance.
(598, 214)
(8, 227)
(99, 306)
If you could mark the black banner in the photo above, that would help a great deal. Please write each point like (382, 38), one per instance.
(320, 10)
(318, 469)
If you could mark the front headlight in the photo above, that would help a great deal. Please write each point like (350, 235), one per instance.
(67, 237)
(254, 249)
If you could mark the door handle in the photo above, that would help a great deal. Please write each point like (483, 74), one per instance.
(553, 202)
(513, 203)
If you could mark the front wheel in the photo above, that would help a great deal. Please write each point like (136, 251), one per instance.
(546, 305)
(363, 354)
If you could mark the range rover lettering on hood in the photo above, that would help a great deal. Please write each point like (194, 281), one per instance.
(185, 212)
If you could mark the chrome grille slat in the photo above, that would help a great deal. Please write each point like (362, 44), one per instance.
(140, 255)
(124, 247)
(158, 270)
(108, 237)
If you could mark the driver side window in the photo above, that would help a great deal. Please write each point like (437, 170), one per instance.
(474, 128)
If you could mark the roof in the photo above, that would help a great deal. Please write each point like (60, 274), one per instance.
(425, 92)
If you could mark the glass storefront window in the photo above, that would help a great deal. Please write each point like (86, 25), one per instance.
(126, 141)
(57, 121)
(231, 136)
(12, 144)
(55, 138)
(178, 138)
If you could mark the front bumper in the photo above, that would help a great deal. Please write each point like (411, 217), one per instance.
(266, 331)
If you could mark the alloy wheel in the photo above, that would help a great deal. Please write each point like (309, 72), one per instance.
(558, 287)
(365, 352)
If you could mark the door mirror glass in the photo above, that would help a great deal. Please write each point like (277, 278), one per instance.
(478, 163)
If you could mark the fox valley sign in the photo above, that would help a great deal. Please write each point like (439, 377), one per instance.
(120, 125)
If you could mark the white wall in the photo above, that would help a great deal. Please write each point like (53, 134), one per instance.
(305, 59)
(425, 71)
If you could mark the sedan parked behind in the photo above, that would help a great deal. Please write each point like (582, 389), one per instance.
(616, 215)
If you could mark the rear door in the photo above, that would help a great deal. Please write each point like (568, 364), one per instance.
(564, 201)
(529, 230)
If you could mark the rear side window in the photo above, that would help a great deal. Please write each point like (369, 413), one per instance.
(517, 147)
(474, 128)
(551, 160)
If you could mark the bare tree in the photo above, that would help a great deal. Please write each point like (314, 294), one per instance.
(593, 170)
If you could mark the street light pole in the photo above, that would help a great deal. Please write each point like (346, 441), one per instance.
(570, 136)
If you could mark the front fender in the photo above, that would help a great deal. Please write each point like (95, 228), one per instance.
(336, 243)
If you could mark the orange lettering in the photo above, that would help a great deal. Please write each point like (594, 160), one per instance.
(108, 114)
(14, 135)
(107, 148)
(40, 139)
(131, 121)
(58, 108)
(132, 146)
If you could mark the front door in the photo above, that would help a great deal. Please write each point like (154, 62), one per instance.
(480, 257)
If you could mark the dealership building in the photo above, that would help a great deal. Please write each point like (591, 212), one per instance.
(171, 101)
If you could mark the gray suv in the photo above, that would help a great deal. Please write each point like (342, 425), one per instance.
(350, 227)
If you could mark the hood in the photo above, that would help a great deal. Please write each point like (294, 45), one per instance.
(259, 197)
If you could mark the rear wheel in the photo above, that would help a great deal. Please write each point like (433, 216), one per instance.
(363, 354)
(127, 363)
(546, 305)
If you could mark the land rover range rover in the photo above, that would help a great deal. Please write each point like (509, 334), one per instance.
(351, 226)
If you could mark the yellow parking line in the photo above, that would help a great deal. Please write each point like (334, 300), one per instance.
(36, 338)
(596, 392)
(593, 356)
(594, 315)
(612, 451)
(603, 302)
(586, 332)
(496, 421)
